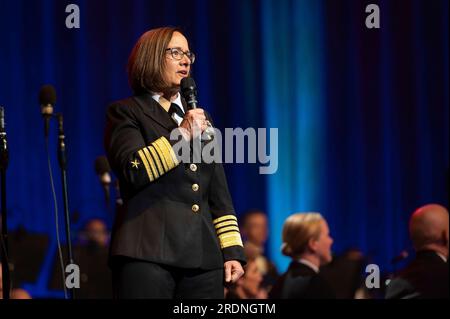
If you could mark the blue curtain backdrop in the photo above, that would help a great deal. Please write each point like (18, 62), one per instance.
(362, 114)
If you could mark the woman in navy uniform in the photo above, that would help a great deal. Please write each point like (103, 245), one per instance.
(176, 235)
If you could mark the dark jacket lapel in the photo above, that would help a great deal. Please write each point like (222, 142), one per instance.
(152, 109)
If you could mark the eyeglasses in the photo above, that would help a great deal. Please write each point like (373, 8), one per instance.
(178, 54)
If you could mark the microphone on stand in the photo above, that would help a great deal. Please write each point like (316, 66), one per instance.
(103, 170)
(4, 248)
(61, 142)
(119, 200)
(4, 154)
(2, 119)
(47, 98)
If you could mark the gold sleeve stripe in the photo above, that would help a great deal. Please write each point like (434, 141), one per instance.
(226, 223)
(161, 156)
(147, 166)
(225, 229)
(162, 147)
(227, 236)
(171, 152)
(230, 243)
(156, 159)
(218, 220)
(230, 239)
(152, 163)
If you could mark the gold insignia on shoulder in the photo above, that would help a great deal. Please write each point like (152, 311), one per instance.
(135, 164)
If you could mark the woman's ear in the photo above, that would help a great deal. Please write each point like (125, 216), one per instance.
(312, 245)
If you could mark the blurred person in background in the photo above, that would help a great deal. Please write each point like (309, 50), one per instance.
(20, 293)
(249, 285)
(16, 293)
(96, 233)
(92, 256)
(345, 274)
(306, 240)
(427, 275)
(255, 231)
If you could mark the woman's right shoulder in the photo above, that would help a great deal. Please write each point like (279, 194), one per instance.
(128, 102)
(124, 107)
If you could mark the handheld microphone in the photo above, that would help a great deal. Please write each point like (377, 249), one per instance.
(47, 98)
(189, 92)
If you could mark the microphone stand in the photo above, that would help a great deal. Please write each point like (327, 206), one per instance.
(63, 164)
(4, 158)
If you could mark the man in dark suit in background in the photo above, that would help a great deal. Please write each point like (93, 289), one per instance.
(427, 275)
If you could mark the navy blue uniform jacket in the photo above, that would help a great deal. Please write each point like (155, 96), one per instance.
(174, 213)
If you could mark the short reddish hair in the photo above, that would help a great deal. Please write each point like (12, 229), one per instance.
(147, 60)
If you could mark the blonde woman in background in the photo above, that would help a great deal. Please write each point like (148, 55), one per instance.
(306, 240)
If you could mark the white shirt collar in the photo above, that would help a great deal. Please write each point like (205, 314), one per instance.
(177, 101)
(309, 264)
(442, 257)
